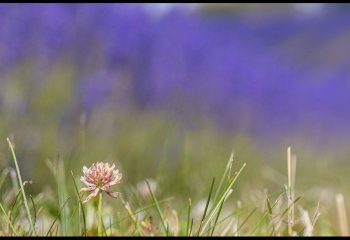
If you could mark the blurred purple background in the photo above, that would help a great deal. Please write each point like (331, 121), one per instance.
(268, 70)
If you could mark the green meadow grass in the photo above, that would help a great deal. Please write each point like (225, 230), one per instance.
(226, 207)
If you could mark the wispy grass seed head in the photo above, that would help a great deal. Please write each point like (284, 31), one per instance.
(100, 177)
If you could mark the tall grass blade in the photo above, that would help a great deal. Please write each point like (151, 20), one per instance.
(223, 197)
(57, 169)
(132, 216)
(206, 206)
(222, 180)
(216, 219)
(22, 188)
(58, 216)
(188, 217)
(157, 206)
(343, 222)
(245, 220)
(80, 203)
(13, 210)
(8, 219)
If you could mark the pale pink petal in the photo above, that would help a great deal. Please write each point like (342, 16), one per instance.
(92, 195)
(114, 181)
(86, 182)
(85, 169)
(113, 194)
(112, 167)
(88, 189)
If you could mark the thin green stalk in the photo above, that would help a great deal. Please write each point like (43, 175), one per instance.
(216, 220)
(206, 207)
(58, 215)
(99, 226)
(22, 188)
(157, 206)
(245, 220)
(80, 203)
(223, 198)
(188, 217)
(8, 219)
(222, 180)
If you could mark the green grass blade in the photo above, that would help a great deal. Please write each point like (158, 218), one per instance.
(13, 209)
(217, 218)
(223, 198)
(316, 215)
(245, 220)
(191, 227)
(34, 208)
(188, 217)
(265, 214)
(157, 206)
(142, 209)
(206, 207)
(8, 219)
(132, 216)
(22, 188)
(222, 180)
(58, 216)
(80, 202)
(57, 169)
(291, 205)
(268, 205)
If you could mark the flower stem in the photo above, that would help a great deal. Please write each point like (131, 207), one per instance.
(99, 226)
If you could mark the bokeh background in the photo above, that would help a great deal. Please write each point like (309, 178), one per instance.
(167, 91)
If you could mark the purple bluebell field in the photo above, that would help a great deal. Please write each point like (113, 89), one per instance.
(270, 72)
(175, 88)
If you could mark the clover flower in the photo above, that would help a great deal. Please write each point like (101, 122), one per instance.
(99, 178)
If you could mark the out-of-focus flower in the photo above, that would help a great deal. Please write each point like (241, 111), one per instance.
(100, 177)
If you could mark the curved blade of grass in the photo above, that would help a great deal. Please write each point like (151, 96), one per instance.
(191, 227)
(314, 218)
(13, 206)
(8, 220)
(57, 169)
(80, 202)
(245, 220)
(218, 214)
(216, 220)
(110, 228)
(34, 208)
(284, 212)
(222, 180)
(22, 188)
(167, 228)
(188, 217)
(157, 206)
(141, 210)
(223, 197)
(206, 206)
(268, 205)
(265, 214)
(104, 229)
(58, 215)
(291, 205)
(132, 216)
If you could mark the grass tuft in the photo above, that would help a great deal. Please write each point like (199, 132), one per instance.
(22, 188)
